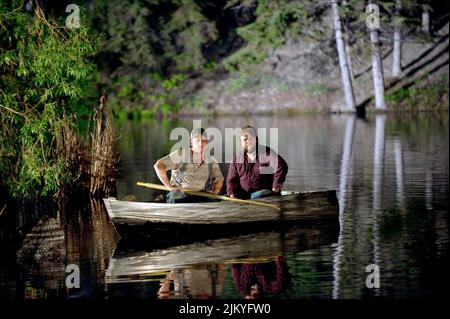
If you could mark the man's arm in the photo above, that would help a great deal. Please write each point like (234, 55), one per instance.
(233, 184)
(217, 186)
(161, 171)
(280, 173)
(218, 178)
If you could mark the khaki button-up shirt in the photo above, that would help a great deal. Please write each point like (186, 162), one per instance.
(189, 175)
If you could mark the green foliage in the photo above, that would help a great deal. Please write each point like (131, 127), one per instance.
(148, 52)
(244, 58)
(276, 22)
(318, 89)
(173, 82)
(146, 44)
(192, 30)
(135, 103)
(46, 73)
(243, 82)
(428, 96)
(126, 34)
(247, 82)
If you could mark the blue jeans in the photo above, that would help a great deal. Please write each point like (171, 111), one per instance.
(262, 193)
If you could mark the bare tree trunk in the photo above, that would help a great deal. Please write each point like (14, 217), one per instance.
(425, 19)
(345, 72)
(377, 70)
(397, 54)
(347, 50)
(349, 59)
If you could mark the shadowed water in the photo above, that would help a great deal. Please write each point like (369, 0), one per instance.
(392, 177)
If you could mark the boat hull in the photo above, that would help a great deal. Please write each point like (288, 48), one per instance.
(294, 207)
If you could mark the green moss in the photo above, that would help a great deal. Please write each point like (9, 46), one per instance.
(275, 22)
(432, 95)
(243, 82)
(317, 89)
(248, 82)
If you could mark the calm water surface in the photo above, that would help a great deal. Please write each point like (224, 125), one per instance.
(392, 177)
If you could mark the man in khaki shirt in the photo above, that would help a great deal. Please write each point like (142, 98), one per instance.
(191, 170)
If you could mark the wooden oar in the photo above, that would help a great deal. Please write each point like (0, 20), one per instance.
(209, 195)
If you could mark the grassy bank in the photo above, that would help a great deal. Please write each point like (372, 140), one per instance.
(428, 95)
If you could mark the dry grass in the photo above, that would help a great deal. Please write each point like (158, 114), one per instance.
(104, 156)
(92, 161)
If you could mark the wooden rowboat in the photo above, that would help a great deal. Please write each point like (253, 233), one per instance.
(294, 207)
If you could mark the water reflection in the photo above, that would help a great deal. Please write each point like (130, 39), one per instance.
(346, 164)
(198, 270)
(392, 177)
(203, 281)
(399, 172)
(42, 258)
(256, 280)
(378, 160)
(378, 165)
(82, 236)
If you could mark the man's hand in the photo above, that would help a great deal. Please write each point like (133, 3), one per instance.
(173, 188)
(276, 190)
(161, 171)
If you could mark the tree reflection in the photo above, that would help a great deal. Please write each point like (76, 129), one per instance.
(345, 168)
(82, 236)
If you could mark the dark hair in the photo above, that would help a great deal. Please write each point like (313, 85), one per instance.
(198, 132)
(250, 130)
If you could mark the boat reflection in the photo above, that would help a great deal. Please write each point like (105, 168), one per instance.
(203, 281)
(253, 279)
(197, 270)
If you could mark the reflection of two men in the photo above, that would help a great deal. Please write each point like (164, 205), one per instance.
(252, 280)
(261, 279)
(198, 282)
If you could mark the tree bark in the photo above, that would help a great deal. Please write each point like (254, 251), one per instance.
(343, 60)
(426, 20)
(347, 49)
(377, 70)
(349, 59)
(397, 53)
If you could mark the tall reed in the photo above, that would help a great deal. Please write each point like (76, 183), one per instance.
(92, 161)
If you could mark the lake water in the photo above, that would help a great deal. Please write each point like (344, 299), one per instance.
(391, 173)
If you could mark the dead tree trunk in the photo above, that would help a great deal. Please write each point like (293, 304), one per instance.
(426, 19)
(397, 53)
(343, 60)
(377, 66)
